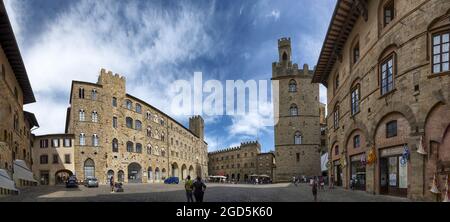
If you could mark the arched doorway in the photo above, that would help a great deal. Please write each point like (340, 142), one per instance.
(238, 177)
(183, 172)
(134, 173)
(232, 176)
(191, 172)
(89, 168)
(149, 175)
(175, 170)
(121, 176)
(110, 174)
(245, 177)
(157, 174)
(61, 176)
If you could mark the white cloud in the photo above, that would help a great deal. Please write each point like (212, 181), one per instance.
(144, 46)
(275, 14)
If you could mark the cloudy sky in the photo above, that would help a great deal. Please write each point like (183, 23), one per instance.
(156, 42)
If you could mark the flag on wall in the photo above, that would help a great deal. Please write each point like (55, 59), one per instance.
(372, 156)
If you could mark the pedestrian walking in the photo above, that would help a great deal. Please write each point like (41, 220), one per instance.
(314, 189)
(199, 189)
(111, 183)
(188, 186)
(322, 183)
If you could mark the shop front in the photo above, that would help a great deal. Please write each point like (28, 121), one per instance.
(358, 172)
(393, 169)
(337, 173)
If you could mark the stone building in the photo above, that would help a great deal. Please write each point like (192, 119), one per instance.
(53, 157)
(15, 92)
(385, 64)
(323, 129)
(117, 134)
(297, 127)
(239, 163)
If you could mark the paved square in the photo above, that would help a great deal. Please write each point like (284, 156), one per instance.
(214, 193)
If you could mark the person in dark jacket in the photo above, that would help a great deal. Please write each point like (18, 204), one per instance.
(199, 189)
(314, 189)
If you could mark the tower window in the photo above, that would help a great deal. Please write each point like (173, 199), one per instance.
(114, 102)
(94, 94)
(81, 93)
(129, 122)
(115, 145)
(81, 115)
(94, 117)
(114, 122)
(129, 146)
(292, 86)
(285, 57)
(298, 138)
(128, 104)
(82, 139)
(388, 13)
(138, 108)
(95, 140)
(294, 110)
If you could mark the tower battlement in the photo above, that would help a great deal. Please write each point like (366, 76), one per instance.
(107, 77)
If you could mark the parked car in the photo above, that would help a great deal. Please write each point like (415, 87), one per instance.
(72, 182)
(172, 180)
(91, 182)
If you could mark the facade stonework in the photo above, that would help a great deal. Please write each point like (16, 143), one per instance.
(297, 127)
(388, 90)
(239, 163)
(118, 134)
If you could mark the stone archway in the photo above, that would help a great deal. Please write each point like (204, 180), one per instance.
(191, 171)
(61, 176)
(134, 173)
(157, 174)
(110, 174)
(149, 175)
(175, 170)
(121, 176)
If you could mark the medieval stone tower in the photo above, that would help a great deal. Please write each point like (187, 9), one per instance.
(296, 115)
(197, 126)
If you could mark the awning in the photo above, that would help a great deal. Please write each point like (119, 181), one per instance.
(264, 175)
(21, 171)
(6, 182)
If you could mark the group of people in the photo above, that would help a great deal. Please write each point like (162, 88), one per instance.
(194, 188)
(317, 183)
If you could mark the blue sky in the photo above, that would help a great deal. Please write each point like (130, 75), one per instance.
(154, 43)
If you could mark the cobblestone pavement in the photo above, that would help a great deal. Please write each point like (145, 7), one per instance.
(214, 193)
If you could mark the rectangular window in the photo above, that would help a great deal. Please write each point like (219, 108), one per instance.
(387, 75)
(55, 143)
(67, 159)
(43, 143)
(356, 142)
(388, 13)
(336, 150)
(55, 159)
(67, 142)
(356, 53)
(391, 129)
(441, 52)
(81, 93)
(94, 94)
(114, 122)
(44, 159)
(114, 102)
(355, 100)
(336, 118)
(298, 157)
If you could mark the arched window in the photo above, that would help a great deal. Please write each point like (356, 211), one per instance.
(114, 122)
(115, 145)
(82, 139)
(298, 138)
(163, 138)
(163, 153)
(336, 117)
(82, 115)
(138, 148)
(149, 132)
(336, 150)
(355, 99)
(94, 94)
(356, 53)
(95, 140)
(149, 149)
(81, 93)
(130, 146)
(285, 57)
(294, 110)
(89, 168)
(129, 122)
(138, 108)
(128, 104)
(148, 115)
(95, 117)
(292, 86)
(138, 125)
(120, 176)
(388, 12)
(387, 74)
